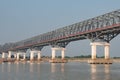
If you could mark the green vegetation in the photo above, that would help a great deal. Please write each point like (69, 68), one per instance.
(83, 56)
(116, 57)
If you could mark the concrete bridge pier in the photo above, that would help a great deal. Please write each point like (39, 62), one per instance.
(18, 56)
(32, 55)
(32, 52)
(106, 53)
(53, 60)
(93, 51)
(3, 55)
(53, 53)
(9, 55)
(24, 56)
(106, 49)
(63, 53)
(39, 55)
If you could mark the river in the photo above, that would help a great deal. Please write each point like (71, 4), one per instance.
(59, 71)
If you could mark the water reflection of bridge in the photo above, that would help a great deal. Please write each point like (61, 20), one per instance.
(53, 67)
(97, 72)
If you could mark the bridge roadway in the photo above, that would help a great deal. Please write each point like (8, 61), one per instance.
(99, 30)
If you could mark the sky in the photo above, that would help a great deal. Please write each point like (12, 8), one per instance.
(22, 19)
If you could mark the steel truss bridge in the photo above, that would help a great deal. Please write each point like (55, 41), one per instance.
(101, 28)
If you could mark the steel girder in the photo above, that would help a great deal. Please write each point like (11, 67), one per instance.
(94, 29)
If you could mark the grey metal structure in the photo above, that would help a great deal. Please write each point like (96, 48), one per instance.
(102, 28)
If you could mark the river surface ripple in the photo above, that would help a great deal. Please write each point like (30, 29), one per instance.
(59, 71)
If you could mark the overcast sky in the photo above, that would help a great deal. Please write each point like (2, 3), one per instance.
(22, 19)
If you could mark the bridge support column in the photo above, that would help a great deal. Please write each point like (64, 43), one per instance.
(3, 55)
(18, 58)
(39, 55)
(53, 53)
(24, 56)
(107, 47)
(31, 55)
(9, 55)
(63, 53)
(93, 50)
(62, 60)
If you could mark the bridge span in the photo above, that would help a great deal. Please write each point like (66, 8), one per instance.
(99, 30)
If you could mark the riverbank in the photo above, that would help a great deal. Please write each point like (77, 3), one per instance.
(68, 60)
(87, 59)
